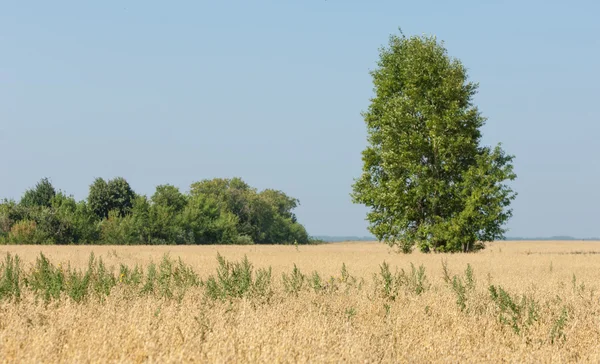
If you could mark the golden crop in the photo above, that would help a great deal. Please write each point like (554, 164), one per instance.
(551, 313)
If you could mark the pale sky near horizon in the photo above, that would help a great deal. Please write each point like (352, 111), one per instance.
(271, 91)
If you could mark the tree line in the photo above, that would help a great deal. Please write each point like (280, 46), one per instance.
(215, 211)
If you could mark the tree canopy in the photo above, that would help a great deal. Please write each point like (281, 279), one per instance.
(216, 211)
(426, 177)
(40, 195)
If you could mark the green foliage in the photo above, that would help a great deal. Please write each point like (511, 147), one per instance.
(131, 277)
(316, 283)
(151, 278)
(294, 282)
(116, 194)
(445, 271)
(469, 278)
(10, 278)
(517, 314)
(425, 177)
(218, 211)
(237, 280)
(557, 333)
(119, 230)
(170, 280)
(345, 282)
(205, 223)
(417, 281)
(388, 284)
(46, 280)
(460, 290)
(170, 197)
(25, 232)
(462, 286)
(49, 281)
(41, 195)
(243, 240)
(265, 217)
(101, 279)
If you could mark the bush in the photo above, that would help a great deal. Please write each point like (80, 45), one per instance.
(25, 232)
(244, 240)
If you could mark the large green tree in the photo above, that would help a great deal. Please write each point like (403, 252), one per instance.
(426, 177)
(40, 195)
(116, 194)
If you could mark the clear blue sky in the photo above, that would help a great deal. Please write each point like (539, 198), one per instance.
(271, 91)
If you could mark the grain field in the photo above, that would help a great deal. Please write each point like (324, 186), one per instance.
(513, 302)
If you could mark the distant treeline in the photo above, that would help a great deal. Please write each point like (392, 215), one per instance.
(217, 211)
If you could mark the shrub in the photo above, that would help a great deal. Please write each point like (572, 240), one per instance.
(244, 240)
(24, 232)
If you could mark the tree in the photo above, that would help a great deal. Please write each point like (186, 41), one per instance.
(40, 195)
(169, 196)
(426, 178)
(122, 196)
(99, 198)
(116, 194)
(282, 203)
(205, 222)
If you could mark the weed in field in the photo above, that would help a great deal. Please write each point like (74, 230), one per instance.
(261, 287)
(46, 280)
(102, 281)
(150, 281)
(463, 286)
(445, 271)
(10, 280)
(417, 281)
(77, 284)
(518, 315)
(460, 291)
(469, 278)
(557, 332)
(388, 284)
(130, 277)
(175, 278)
(235, 280)
(294, 283)
(316, 283)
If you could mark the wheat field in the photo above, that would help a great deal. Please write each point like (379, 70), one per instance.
(545, 308)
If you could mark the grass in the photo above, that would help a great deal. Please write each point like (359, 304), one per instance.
(351, 302)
